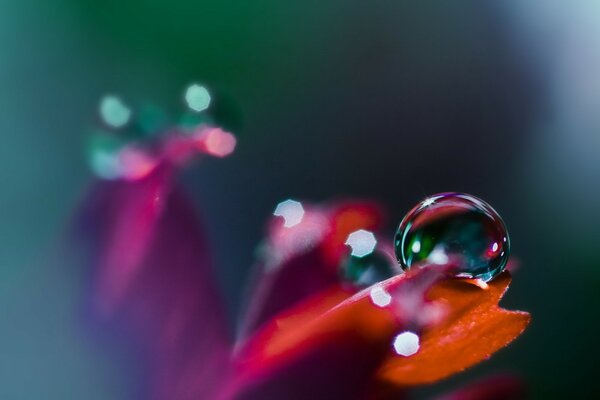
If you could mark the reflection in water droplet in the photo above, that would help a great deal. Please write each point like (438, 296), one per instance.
(291, 211)
(454, 228)
(114, 112)
(362, 242)
(406, 344)
(197, 97)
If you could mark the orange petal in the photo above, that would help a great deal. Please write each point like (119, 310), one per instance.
(473, 329)
(334, 314)
(353, 328)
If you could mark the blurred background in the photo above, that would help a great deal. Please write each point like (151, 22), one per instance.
(330, 99)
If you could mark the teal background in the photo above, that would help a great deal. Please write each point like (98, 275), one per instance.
(386, 100)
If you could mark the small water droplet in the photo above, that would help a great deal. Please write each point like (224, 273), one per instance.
(368, 270)
(457, 228)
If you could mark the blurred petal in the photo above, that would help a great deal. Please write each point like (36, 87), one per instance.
(473, 329)
(152, 281)
(119, 221)
(302, 259)
(498, 387)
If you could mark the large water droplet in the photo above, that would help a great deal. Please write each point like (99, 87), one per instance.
(454, 228)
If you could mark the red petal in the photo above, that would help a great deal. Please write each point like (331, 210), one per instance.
(474, 328)
(305, 272)
(327, 347)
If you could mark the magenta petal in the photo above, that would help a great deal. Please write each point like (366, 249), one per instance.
(152, 280)
(304, 259)
(118, 222)
(331, 345)
(274, 291)
(334, 369)
(496, 387)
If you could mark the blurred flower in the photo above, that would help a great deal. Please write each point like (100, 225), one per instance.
(305, 333)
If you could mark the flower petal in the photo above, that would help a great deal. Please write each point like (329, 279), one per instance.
(303, 259)
(459, 324)
(328, 346)
(152, 282)
(474, 328)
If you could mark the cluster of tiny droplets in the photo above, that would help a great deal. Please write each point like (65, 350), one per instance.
(130, 144)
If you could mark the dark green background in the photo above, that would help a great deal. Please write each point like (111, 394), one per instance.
(379, 99)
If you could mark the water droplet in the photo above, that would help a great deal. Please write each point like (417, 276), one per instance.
(368, 270)
(457, 228)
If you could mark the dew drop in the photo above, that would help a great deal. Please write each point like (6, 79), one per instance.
(454, 228)
(369, 269)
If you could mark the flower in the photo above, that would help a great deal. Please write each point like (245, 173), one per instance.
(304, 333)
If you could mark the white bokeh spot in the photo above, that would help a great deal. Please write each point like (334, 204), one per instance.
(380, 297)
(438, 256)
(406, 344)
(362, 242)
(291, 211)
